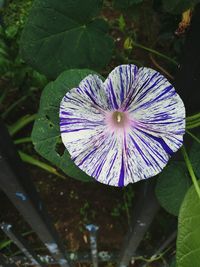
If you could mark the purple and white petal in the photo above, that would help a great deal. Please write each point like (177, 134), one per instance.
(157, 110)
(101, 158)
(119, 85)
(125, 129)
(85, 134)
(91, 89)
(82, 113)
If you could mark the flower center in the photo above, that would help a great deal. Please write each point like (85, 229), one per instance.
(118, 121)
(119, 118)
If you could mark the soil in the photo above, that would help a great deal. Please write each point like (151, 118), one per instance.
(72, 205)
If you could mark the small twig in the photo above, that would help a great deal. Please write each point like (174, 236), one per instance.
(160, 67)
(166, 243)
(148, 49)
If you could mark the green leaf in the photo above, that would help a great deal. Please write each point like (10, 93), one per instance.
(178, 6)
(63, 34)
(46, 131)
(122, 23)
(188, 241)
(172, 184)
(195, 158)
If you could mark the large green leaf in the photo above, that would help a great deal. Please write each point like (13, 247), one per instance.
(46, 132)
(195, 157)
(172, 184)
(188, 240)
(62, 35)
(178, 6)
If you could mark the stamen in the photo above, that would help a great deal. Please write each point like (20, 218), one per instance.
(118, 118)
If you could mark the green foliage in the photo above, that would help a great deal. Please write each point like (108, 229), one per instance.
(188, 241)
(63, 34)
(122, 23)
(14, 16)
(12, 68)
(178, 6)
(172, 185)
(4, 57)
(195, 158)
(46, 131)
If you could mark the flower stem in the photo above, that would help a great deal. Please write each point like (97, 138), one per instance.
(21, 123)
(23, 140)
(193, 125)
(190, 169)
(193, 117)
(155, 52)
(160, 67)
(192, 122)
(193, 136)
(29, 159)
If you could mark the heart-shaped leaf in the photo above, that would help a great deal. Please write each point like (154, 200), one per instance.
(188, 241)
(46, 131)
(62, 35)
(172, 184)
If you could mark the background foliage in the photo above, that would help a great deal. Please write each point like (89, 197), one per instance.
(69, 31)
(60, 42)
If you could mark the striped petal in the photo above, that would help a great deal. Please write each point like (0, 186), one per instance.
(119, 85)
(82, 113)
(152, 115)
(157, 110)
(158, 116)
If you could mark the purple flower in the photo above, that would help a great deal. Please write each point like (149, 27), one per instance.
(125, 129)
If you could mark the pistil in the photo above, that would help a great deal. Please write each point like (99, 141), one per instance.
(119, 118)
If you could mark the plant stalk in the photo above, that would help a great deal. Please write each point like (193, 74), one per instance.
(21, 123)
(190, 169)
(155, 52)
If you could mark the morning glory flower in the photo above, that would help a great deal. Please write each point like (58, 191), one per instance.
(124, 129)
